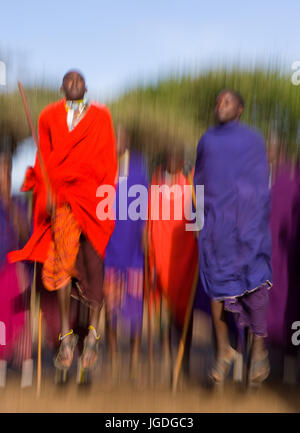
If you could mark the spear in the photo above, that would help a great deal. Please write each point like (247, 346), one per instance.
(188, 314)
(35, 139)
(48, 190)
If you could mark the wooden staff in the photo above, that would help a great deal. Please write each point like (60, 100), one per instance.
(39, 364)
(33, 303)
(35, 139)
(188, 314)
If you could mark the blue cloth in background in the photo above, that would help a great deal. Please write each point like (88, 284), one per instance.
(124, 249)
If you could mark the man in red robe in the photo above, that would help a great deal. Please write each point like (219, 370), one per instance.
(77, 146)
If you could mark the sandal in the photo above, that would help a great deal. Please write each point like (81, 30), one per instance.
(222, 368)
(259, 370)
(70, 344)
(87, 345)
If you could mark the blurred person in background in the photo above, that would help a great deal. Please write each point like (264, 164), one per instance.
(124, 260)
(172, 254)
(235, 242)
(78, 149)
(16, 342)
(284, 307)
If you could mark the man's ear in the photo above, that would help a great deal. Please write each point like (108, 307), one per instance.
(240, 110)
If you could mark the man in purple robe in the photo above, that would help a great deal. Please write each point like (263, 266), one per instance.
(235, 242)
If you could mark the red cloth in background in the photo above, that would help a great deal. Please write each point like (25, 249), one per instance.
(173, 251)
(77, 163)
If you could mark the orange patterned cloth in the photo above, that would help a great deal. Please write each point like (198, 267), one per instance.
(59, 266)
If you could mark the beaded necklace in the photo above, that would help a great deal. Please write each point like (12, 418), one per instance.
(73, 107)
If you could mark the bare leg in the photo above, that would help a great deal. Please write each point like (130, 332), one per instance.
(64, 295)
(90, 354)
(135, 352)
(258, 348)
(111, 333)
(187, 349)
(66, 355)
(260, 367)
(166, 335)
(224, 350)
(112, 338)
(221, 328)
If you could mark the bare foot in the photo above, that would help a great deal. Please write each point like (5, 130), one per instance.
(90, 351)
(259, 367)
(64, 356)
(222, 364)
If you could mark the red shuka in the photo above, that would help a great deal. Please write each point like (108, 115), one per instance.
(77, 163)
(173, 251)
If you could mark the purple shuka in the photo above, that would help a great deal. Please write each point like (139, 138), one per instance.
(124, 259)
(235, 242)
(13, 301)
(284, 306)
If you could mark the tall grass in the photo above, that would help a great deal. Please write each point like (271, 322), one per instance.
(13, 124)
(176, 111)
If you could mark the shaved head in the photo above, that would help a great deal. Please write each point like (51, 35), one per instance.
(74, 71)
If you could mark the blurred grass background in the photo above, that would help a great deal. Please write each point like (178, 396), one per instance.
(175, 111)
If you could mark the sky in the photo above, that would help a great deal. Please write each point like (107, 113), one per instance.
(118, 44)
